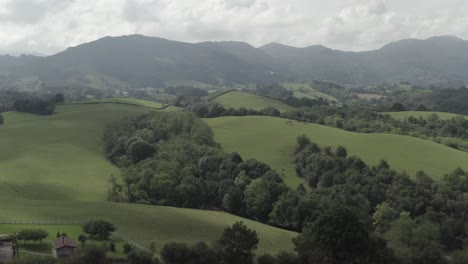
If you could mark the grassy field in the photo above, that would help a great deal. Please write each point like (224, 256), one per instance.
(424, 114)
(236, 99)
(272, 140)
(53, 168)
(130, 101)
(305, 90)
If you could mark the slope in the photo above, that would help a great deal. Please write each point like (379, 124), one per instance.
(272, 140)
(424, 114)
(53, 168)
(236, 99)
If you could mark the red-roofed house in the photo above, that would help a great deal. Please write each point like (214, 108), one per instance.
(64, 247)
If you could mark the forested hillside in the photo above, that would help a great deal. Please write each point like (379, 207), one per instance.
(139, 61)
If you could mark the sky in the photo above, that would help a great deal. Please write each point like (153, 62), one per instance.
(50, 26)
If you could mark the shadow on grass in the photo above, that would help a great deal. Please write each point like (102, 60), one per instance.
(36, 247)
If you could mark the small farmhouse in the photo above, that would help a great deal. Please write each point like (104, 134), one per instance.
(64, 247)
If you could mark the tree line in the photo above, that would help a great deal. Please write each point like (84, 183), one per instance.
(451, 132)
(172, 159)
(37, 105)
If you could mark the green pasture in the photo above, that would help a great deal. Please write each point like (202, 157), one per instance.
(424, 114)
(272, 140)
(236, 100)
(53, 168)
(302, 90)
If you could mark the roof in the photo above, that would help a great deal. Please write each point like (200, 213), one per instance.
(64, 242)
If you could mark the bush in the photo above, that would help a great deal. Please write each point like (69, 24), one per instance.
(98, 229)
(32, 235)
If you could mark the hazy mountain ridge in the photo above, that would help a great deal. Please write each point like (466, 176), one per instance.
(149, 61)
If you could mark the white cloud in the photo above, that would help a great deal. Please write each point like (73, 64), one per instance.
(52, 25)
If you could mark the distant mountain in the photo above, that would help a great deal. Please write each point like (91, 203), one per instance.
(139, 61)
(435, 61)
(17, 53)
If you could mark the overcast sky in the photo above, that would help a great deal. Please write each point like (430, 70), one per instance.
(50, 26)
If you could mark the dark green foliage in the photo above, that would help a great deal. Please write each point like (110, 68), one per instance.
(92, 254)
(186, 91)
(188, 169)
(32, 235)
(398, 107)
(238, 243)
(34, 106)
(98, 229)
(82, 238)
(1, 119)
(339, 234)
(214, 109)
(141, 257)
(127, 248)
(274, 90)
(178, 253)
(112, 246)
(415, 242)
(452, 131)
(58, 98)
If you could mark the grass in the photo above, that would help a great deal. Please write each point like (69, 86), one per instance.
(236, 99)
(272, 140)
(53, 168)
(189, 83)
(305, 90)
(424, 114)
(130, 101)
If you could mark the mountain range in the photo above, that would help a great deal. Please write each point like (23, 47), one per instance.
(140, 61)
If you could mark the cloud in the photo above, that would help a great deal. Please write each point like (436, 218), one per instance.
(52, 25)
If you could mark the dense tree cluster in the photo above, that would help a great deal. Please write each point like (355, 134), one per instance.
(418, 217)
(37, 105)
(236, 245)
(32, 235)
(215, 109)
(98, 229)
(274, 90)
(171, 159)
(452, 132)
(186, 91)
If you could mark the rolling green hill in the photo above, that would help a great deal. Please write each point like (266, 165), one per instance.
(236, 99)
(424, 114)
(302, 90)
(272, 140)
(54, 168)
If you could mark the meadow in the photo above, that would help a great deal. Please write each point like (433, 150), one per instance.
(305, 90)
(53, 168)
(272, 140)
(424, 114)
(236, 100)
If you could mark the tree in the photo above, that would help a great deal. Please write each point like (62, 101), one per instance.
(337, 236)
(398, 107)
(98, 229)
(1, 119)
(302, 142)
(238, 244)
(141, 257)
(383, 217)
(58, 98)
(32, 235)
(57, 235)
(127, 248)
(415, 242)
(341, 152)
(112, 246)
(82, 239)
